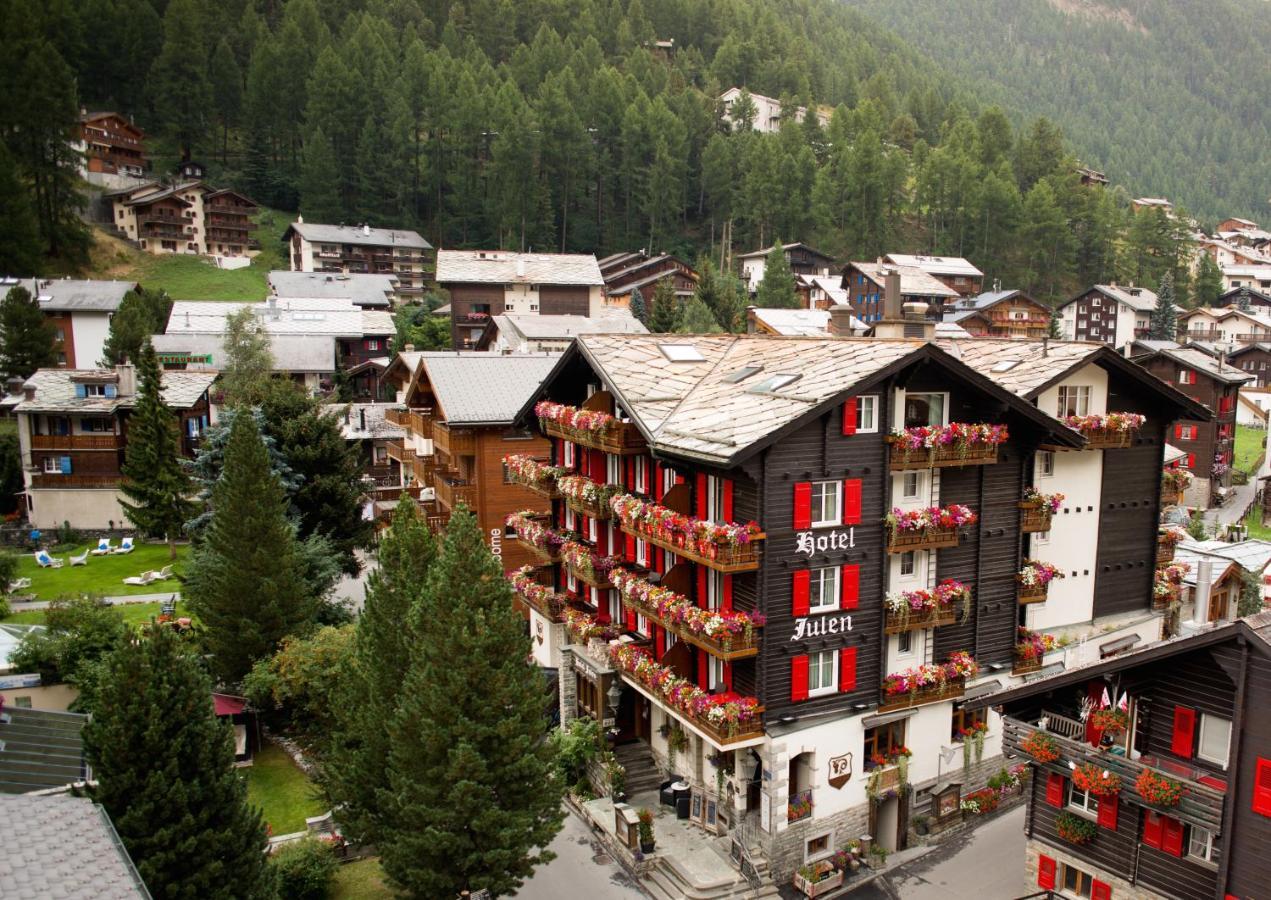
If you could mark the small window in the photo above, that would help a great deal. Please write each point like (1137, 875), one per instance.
(1007, 364)
(823, 590)
(742, 374)
(1215, 739)
(774, 383)
(1046, 463)
(910, 482)
(966, 719)
(826, 503)
(51, 465)
(23, 702)
(924, 409)
(681, 353)
(817, 848)
(1074, 400)
(866, 414)
(1076, 883)
(94, 390)
(1083, 801)
(908, 564)
(1201, 844)
(822, 673)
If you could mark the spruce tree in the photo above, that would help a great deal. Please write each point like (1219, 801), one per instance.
(666, 308)
(708, 285)
(154, 478)
(164, 765)
(474, 792)
(356, 772)
(1244, 302)
(246, 576)
(638, 307)
(697, 319)
(179, 81)
(1208, 285)
(1164, 320)
(27, 339)
(776, 288)
(731, 313)
(142, 312)
(19, 231)
(226, 79)
(320, 181)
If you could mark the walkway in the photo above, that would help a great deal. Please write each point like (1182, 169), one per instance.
(22, 606)
(581, 868)
(1233, 511)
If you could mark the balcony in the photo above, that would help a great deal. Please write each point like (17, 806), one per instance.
(398, 417)
(928, 683)
(537, 536)
(397, 451)
(76, 441)
(1252, 338)
(588, 566)
(586, 497)
(539, 597)
(897, 623)
(591, 425)
(451, 491)
(454, 442)
(1201, 334)
(1033, 581)
(726, 635)
(420, 423)
(950, 690)
(799, 807)
(1203, 794)
(533, 474)
(46, 480)
(723, 547)
(938, 446)
(1115, 431)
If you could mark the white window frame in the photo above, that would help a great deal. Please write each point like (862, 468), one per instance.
(1085, 803)
(1207, 719)
(944, 406)
(867, 414)
(911, 557)
(818, 509)
(613, 469)
(570, 456)
(908, 478)
(823, 589)
(642, 474)
(52, 465)
(817, 666)
(714, 672)
(1206, 842)
(1046, 463)
(1081, 395)
(642, 551)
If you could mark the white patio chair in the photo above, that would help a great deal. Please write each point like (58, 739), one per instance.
(103, 547)
(125, 546)
(81, 560)
(44, 561)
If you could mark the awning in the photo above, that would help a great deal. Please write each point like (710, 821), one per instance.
(886, 718)
(1119, 645)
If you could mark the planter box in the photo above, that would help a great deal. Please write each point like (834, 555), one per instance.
(949, 691)
(1164, 602)
(1034, 518)
(1035, 594)
(734, 647)
(1109, 439)
(589, 577)
(936, 539)
(1024, 666)
(1164, 553)
(895, 624)
(743, 558)
(601, 511)
(902, 458)
(542, 554)
(545, 487)
(818, 888)
(622, 438)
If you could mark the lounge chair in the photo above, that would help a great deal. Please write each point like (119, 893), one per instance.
(18, 584)
(125, 546)
(45, 561)
(164, 574)
(82, 559)
(103, 547)
(143, 579)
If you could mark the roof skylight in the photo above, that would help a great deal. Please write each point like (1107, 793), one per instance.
(774, 383)
(742, 374)
(681, 353)
(1005, 365)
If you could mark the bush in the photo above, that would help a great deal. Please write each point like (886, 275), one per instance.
(8, 570)
(304, 870)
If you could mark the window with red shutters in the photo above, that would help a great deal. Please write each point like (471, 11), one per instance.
(1055, 789)
(726, 599)
(847, 669)
(1171, 836)
(1046, 872)
(1108, 812)
(849, 586)
(802, 591)
(1100, 891)
(852, 501)
(1184, 732)
(1262, 787)
(799, 678)
(803, 505)
(1178, 432)
(1152, 828)
(849, 416)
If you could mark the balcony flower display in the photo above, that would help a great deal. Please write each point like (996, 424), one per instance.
(588, 420)
(923, 604)
(529, 470)
(583, 490)
(727, 713)
(1176, 480)
(677, 610)
(1074, 829)
(1109, 721)
(1038, 574)
(667, 525)
(962, 438)
(584, 560)
(1158, 790)
(539, 595)
(1115, 422)
(1169, 579)
(1041, 747)
(933, 518)
(929, 676)
(1049, 502)
(532, 530)
(1096, 780)
(1032, 645)
(585, 626)
(1171, 536)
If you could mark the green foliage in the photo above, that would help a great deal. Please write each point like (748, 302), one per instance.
(10, 471)
(666, 309)
(8, 571)
(638, 307)
(304, 870)
(697, 319)
(575, 747)
(179, 84)
(1164, 321)
(1250, 600)
(77, 634)
(164, 766)
(474, 796)
(19, 232)
(776, 288)
(1196, 527)
(1208, 285)
(142, 312)
(245, 375)
(27, 339)
(319, 180)
(416, 325)
(303, 679)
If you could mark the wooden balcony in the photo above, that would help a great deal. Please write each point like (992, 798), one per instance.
(76, 441)
(722, 736)
(950, 690)
(897, 624)
(932, 539)
(454, 441)
(74, 482)
(419, 424)
(595, 509)
(1203, 794)
(451, 493)
(1027, 594)
(742, 558)
(543, 486)
(588, 575)
(552, 607)
(544, 555)
(731, 647)
(1034, 517)
(398, 417)
(621, 438)
(394, 492)
(903, 459)
(397, 451)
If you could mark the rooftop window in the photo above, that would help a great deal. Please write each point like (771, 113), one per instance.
(742, 374)
(1005, 365)
(681, 353)
(774, 383)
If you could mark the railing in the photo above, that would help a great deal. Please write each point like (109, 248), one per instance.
(950, 690)
(544, 485)
(721, 735)
(903, 458)
(451, 494)
(45, 480)
(1253, 338)
(930, 539)
(398, 417)
(1064, 726)
(1203, 334)
(76, 441)
(1109, 438)
(727, 559)
(896, 623)
(590, 575)
(1201, 804)
(729, 647)
(397, 451)
(454, 442)
(621, 438)
(394, 492)
(419, 424)
(799, 807)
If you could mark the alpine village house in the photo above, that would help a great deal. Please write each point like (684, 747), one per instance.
(778, 568)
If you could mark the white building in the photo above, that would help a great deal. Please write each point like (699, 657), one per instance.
(514, 333)
(79, 310)
(360, 249)
(1113, 314)
(767, 111)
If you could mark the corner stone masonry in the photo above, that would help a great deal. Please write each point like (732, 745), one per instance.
(1121, 889)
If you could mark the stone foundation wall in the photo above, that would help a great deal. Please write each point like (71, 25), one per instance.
(972, 780)
(1121, 889)
(785, 849)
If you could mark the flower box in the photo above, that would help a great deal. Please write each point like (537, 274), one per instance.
(543, 599)
(725, 635)
(586, 565)
(1168, 584)
(1025, 666)
(530, 473)
(586, 497)
(586, 627)
(950, 690)
(1034, 580)
(933, 539)
(589, 428)
(1031, 648)
(1034, 517)
(723, 547)
(928, 683)
(1111, 432)
(897, 623)
(799, 807)
(955, 444)
(1166, 541)
(542, 541)
(818, 879)
(916, 610)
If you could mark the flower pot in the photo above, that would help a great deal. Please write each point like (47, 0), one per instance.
(647, 846)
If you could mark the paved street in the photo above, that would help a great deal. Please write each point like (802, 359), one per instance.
(581, 869)
(986, 864)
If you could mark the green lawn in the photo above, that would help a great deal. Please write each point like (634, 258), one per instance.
(285, 796)
(135, 614)
(361, 880)
(1248, 447)
(103, 575)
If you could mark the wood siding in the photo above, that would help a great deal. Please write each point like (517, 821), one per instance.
(1130, 496)
(1096, 323)
(1248, 863)
(564, 300)
(1209, 391)
(1111, 851)
(496, 498)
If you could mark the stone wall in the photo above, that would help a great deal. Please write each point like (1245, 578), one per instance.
(1121, 889)
(972, 780)
(785, 849)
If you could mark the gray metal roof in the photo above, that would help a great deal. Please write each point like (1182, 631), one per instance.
(362, 290)
(359, 234)
(291, 352)
(72, 295)
(505, 267)
(475, 388)
(55, 391)
(1253, 555)
(63, 847)
(766, 250)
(560, 328)
(936, 265)
(41, 749)
(330, 316)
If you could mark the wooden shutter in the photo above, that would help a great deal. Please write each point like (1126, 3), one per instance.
(702, 579)
(852, 501)
(699, 496)
(1108, 812)
(1191, 460)
(703, 669)
(1100, 891)
(799, 678)
(849, 586)
(726, 599)
(1046, 872)
(64, 464)
(1152, 829)
(1184, 732)
(1178, 432)
(630, 548)
(1055, 789)
(847, 669)
(1262, 787)
(727, 502)
(849, 416)
(803, 505)
(657, 482)
(1171, 836)
(802, 589)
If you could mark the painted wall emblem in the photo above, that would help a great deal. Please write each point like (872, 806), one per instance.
(840, 770)
(538, 629)
(810, 542)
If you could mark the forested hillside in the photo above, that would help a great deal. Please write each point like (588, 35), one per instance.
(564, 125)
(1168, 96)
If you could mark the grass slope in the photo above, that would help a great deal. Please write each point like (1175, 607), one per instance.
(1249, 448)
(102, 575)
(284, 794)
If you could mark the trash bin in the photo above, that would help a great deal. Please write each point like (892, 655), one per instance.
(681, 806)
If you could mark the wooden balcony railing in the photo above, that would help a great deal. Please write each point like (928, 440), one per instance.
(1109, 438)
(419, 424)
(722, 735)
(394, 492)
(1203, 794)
(727, 647)
(622, 438)
(592, 575)
(76, 441)
(397, 451)
(451, 493)
(44, 480)
(895, 623)
(931, 539)
(903, 458)
(727, 559)
(454, 441)
(950, 690)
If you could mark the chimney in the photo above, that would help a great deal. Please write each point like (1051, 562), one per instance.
(841, 320)
(750, 320)
(892, 299)
(366, 229)
(1045, 346)
(300, 220)
(408, 348)
(127, 373)
(361, 418)
(1200, 597)
(520, 267)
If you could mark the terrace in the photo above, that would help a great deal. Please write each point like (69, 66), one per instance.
(724, 635)
(724, 547)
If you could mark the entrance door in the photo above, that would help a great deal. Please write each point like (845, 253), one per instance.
(888, 823)
(643, 717)
(627, 718)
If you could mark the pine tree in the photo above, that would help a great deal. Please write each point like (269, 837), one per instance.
(731, 313)
(356, 773)
(776, 288)
(1164, 321)
(164, 765)
(179, 77)
(666, 308)
(246, 577)
(27, 339)
(226, 80)
(696, 318)
(320, 181)
(19, 231)
(142, 312)
(1208, 286)
(638, 307)
(474, 796)
(154, 479)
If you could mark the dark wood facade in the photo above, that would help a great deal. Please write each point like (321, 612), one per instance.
(1254, 360)
(113, 145)
(227, 218)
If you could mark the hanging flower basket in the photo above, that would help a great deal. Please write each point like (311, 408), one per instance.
(932, 528)
(1096, 780)
(1074, 829)
(1158, 790)
(955, 444)
(1041, 747)
(1111, 432)
(1037, 510)
(1110, 721)
(1034, 580)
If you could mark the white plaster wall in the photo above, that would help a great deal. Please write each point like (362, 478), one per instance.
(1068, 324)
(596, 300)
(752, 271)
(1126, 318)
(306, 256)
(85, 508)
(89, 331)
(1086, 650)
(546, 639)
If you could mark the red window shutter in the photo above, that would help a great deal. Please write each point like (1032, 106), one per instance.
(726, 601)
(631, 548)
(597, 458)
(728, 675)
(1191, 460)
(628, 469)
(802, 591)
(1055, 789)
(847, 669)
(659, 643)
(1262, 787)
(850, 587)
(699, 496)
(852, 501)
(1178, 431)
(703, 671)
(728, 500)
(1152, 829)
(799, 678)
(849, 416)
(631, 620)
(701, 587)
(1171, 836)
(1108, 812)
(803, 505)
(1100, 891)
(1046, 872)
(1184, 732)
(657, 481)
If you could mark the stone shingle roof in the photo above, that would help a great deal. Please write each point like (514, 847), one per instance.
(363, 290)
(63, 847)
(55, 391)
(358, 234)
(562, 327)
(1203, 362)
(914, 282)
(807, 322)
(1140, 299)
(354, 415)
(505, 267)
(72, 295)
(936, 265)
(485, 388)
(1034, 368)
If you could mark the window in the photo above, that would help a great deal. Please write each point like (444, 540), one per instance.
(924, 409)
(773, 383)
(1074, 400)
(883, 741)
(818, 847)
(826, 505)
(964, 719)
(1186, 376)
(1201, 844)
(642, 474)
(94, 390)
(904, 642)
(908, 564)
(823, 592)
(822, 673)
(1083, 801)
(372, 344)
(569, 455)
(910, 482)
(681, 353)
(866, 414)
(1074, 882)
(61, 335)
(22, 702)
(613, 469)
(1215, 739)
(51, 465)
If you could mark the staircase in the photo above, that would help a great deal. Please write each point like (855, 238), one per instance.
(666, 880)
(642, 770)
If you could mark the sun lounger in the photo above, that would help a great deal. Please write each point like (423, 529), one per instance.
(18, 584)
(103, 547)
(81, 560)
(125, 546)
(164, 574)
(143, 579)
(45, 561)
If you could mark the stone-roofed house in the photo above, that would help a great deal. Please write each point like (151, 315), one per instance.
(510, 333)
(952, 271)
(360, 250)
(366, 291)
(796, 322)
(1009, 314)
(63, 847)
(79, 310)
(803, 260)
(485, 283)
(866, 285)
(625, 273)
(73, 433)
(1115, 314)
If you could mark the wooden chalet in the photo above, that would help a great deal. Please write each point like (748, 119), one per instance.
(803, 260)
(953, 272)
(1255, 360)
(227, 215)
(866, 286)
(1008, 314)
(627, 272)
(112, 145)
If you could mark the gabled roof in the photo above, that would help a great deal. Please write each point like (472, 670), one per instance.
(42, 749)
(55, 391)
(362, 235)
(832, 286)
(704, 410)
(564, 327)
(72, 295)
(1257, 316)
(1232, 296)
(221, 192)
(1200, 361)
(505, 267)
(1137, 298)
(988, 300)
(936, 265)
(333, 317)
(362, 290)
(802, 322)
(1253, 555)
(913, 281)
(354, 415)
(616, 259)
(144, 196)
(403, 365)
(475, 388)
(787, 247)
